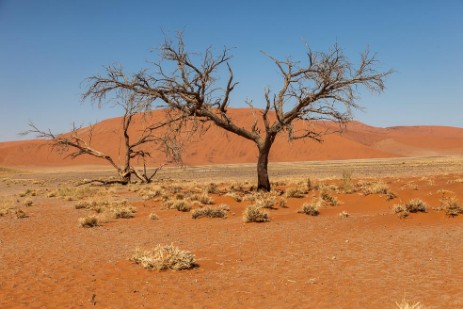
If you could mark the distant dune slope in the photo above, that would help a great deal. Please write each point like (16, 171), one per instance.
(217, 146)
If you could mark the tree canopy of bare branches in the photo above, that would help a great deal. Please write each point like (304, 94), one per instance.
(325, 86)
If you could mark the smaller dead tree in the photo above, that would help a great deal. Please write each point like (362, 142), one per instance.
(134, 145)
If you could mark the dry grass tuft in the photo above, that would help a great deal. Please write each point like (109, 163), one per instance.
(452, 206)
(406, 305)
(211, 212)
(416, 205)
(89, 221)
(153, 216)
(328, 198)
(206, 199)
(295, 193)
(181, 205)
(377, 188)
(28, 202)
(254, 213)
(310, 209)
(266, 202)
(234, 196)
(165, 257)
(20, 214)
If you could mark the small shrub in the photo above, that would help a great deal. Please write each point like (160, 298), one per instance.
(268, 202)
(375, 188)
(89, 221)
(310, 209)
(205, 199)
(399, 208)
(253, 213)
(182, 205)
(164, 257)
(212, 188)
(347, 185)
(124, 213)
(82, 205)
(20, 214)
(282, 202)
(28, 202)
(416, 205)
(234, 196)
(401, 211)
(153, 216)
(328, 198)
(295, 193)
(452, 206)
(211, 212)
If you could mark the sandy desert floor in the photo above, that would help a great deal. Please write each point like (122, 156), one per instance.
(371, 259)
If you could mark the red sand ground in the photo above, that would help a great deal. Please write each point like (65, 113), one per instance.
(370, 260)
(219, 147)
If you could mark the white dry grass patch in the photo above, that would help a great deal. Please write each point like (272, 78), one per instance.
(164, 257)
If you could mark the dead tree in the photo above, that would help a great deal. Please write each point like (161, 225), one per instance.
(134, 147)
(324, 87)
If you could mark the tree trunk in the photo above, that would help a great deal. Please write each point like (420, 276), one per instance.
(263, 182)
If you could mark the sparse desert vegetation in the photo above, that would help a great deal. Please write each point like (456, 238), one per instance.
(100, 224)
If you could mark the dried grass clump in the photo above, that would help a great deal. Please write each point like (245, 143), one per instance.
(211, 212)
(406, 305)
(375, 188)
(121, 209)
(254, 213)
(328, 198)
(28, 202)
(416, 205)
(295, 192)
(212, 188)
(164, 257)
(181, 205)
(153, 216)
(282, 202)
(89, 221)
(20, 214)
(452, 206)
(234, 196)
(76, 193)
(310, 209)
(206, 199)
(347, 186)
(266, 202)
(6, 206)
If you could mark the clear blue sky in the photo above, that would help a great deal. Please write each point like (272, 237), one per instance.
(48, 47)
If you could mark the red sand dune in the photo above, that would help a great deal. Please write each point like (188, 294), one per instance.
(217, 146)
